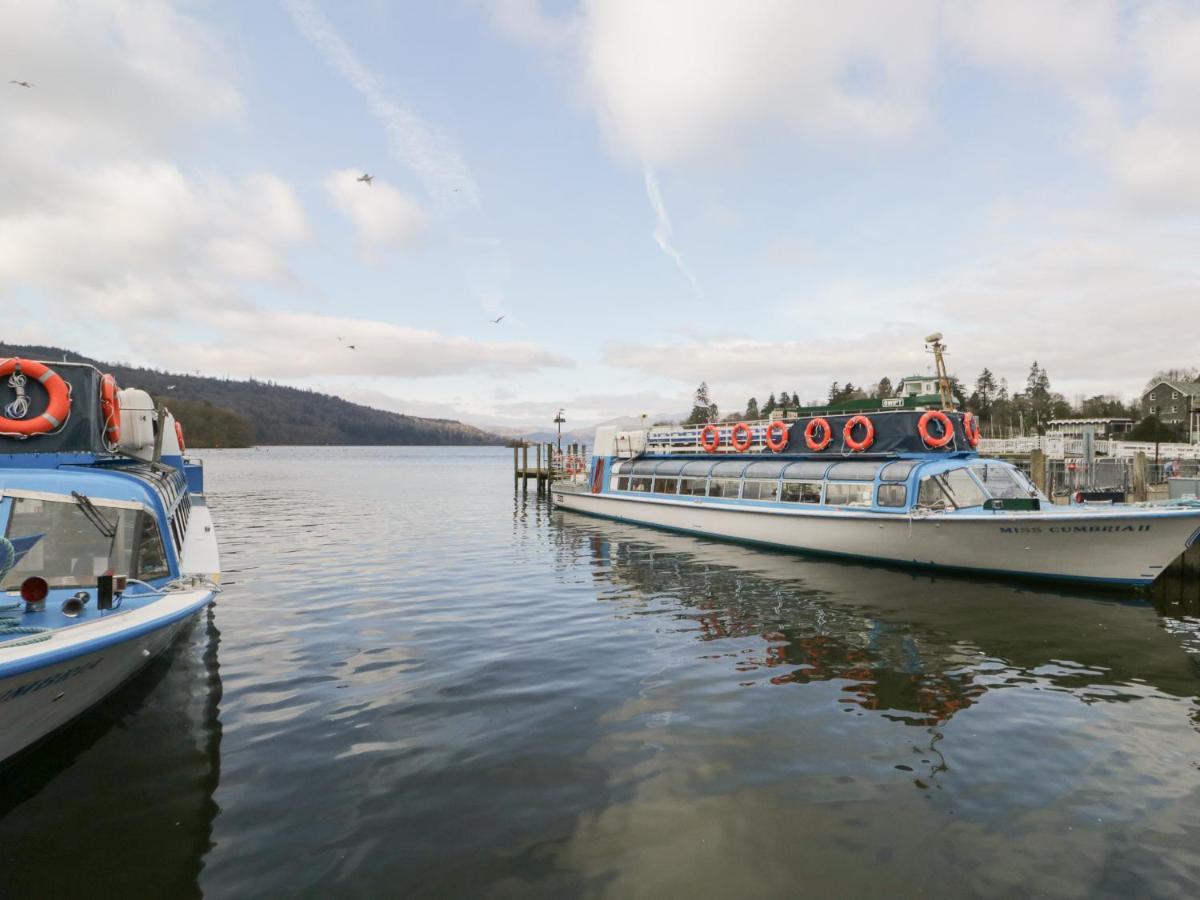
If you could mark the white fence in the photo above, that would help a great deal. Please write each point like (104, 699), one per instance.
(1061, 447)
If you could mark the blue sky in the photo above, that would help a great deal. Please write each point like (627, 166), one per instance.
(769, 196)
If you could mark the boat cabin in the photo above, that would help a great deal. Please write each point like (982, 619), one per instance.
(896, 485)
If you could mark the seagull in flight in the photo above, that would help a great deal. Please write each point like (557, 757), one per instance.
(351, 346)
(21, 83)
(365, 179)
(495, 321)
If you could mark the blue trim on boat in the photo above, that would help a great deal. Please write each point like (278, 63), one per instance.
(53, 657)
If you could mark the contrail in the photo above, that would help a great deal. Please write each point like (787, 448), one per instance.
(413, 142)
(662, 230)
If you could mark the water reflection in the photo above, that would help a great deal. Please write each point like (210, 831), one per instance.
(123, 797)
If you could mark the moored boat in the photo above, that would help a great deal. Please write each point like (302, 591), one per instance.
(108, 548)
(904, 487)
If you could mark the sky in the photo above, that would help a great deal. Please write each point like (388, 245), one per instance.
(762, 195)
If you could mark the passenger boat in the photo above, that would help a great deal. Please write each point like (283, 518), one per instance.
(108, 549)
(905, 487)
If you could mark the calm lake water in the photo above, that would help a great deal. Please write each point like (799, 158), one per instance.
(416, 684)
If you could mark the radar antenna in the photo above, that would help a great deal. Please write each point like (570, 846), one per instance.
(934, 345)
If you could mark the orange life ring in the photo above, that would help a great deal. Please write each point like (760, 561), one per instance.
(57, 409)
(971, 429)
(707, 432)
(811, 428)
(776, 445)
(936, 415)
(179, 436)
(741, 446)
(848, 433)
(110, 408)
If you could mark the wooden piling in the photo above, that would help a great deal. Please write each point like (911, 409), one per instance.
(1140, 477)
(1037, 471)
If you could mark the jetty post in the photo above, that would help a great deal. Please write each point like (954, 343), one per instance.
(1037, 470)
(1140, 477)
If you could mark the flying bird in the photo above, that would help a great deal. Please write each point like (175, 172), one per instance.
(351, 346)
(21, 83)
(495, 321)
(365, 178)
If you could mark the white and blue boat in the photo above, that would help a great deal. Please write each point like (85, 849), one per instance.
(108, 549)
(903, 487)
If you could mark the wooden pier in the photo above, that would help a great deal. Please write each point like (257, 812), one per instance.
(548, 463)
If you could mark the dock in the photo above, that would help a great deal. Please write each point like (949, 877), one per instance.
(548, 463)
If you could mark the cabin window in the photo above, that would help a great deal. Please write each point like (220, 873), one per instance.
(899, 470)
(623, 483)
(151, 559)
(847, 495)
(1001, 482)
(854, 471)
(950, 489)
(667, 485)
(801, 492)
(69, 543)
(641, 483)
(723, 487)
(892, 495)
(760, 489)
(693, 487)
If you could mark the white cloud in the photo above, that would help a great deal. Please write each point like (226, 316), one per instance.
(678, 79)
(382, 215)
(662, 226)
(414, 143)
(281, 344)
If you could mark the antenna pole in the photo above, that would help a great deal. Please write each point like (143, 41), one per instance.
(935, 346)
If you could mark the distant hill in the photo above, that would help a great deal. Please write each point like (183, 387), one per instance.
(228, 413)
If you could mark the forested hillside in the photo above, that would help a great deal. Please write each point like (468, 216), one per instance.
(227, 413)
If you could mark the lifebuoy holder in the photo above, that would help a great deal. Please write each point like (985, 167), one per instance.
(58, 407)
(777, 444)
(810, 431)
(935, 415)
(740, 437)
(848, 433)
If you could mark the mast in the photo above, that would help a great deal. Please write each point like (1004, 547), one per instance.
(934, 345)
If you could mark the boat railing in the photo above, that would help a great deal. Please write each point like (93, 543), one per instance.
(675, 439)
(570, 465)
(1059, 447)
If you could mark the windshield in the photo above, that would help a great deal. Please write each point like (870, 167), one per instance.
(70, 542)
(953, 489)
(1003, 482)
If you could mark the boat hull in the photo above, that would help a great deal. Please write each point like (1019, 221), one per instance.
(44, 686)
(1127, 547)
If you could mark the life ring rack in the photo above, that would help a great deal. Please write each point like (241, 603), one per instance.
(58, 406)
(935, 415)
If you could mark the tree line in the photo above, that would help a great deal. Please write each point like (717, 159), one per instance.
(1002, 411)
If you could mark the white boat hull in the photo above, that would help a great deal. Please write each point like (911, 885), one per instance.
(1117, 546)
(45, 685)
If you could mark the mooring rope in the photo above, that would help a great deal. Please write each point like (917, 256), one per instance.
(9, 625)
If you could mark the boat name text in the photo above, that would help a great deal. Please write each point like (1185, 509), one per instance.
(1069, 529)
(57, 678)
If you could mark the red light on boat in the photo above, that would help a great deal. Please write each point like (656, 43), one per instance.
(34, 589)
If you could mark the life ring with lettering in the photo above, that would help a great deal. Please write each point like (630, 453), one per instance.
(710, 438)
(110, 408)
(935, 415)
(971, 429)
(810, 431)
(777, 436)
(179, 436)
(741, 444)
(848, 433)
(58, 408)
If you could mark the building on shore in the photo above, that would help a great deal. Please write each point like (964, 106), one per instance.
(1175, 403)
